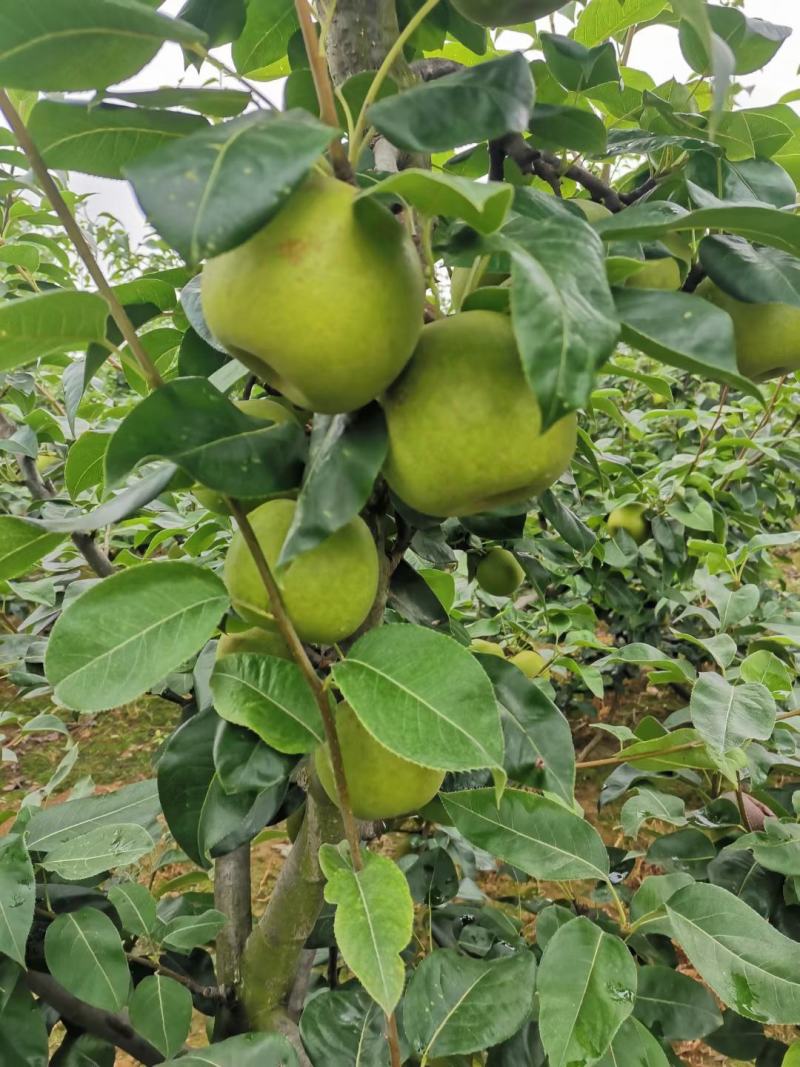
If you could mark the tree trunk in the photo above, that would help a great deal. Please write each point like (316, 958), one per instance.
(360, 34)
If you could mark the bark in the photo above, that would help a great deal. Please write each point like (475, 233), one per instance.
(360, 34)
(232, 898)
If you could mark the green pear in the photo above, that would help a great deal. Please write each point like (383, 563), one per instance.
(325, 302)
(767, 335)
(531, 664)
(327, 592)
(486, 648)
(265, 639)
(506, 12)
(592, 210)
(631, 519)
(464, 425)
(663, 273)
(261, 408)
(381, 784)
(499, 572)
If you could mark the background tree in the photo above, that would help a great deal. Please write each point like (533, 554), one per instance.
(407, 474)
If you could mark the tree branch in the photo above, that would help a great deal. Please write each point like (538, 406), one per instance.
(232, 898)
(45, 179)
(103, 1024)
(548, 166)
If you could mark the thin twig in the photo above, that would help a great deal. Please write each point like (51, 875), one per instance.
(118, 313)
(394, 1041)
(300, 656)
(324, 89)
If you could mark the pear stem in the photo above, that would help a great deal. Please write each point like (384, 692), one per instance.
(383, 73)
(67, 220)
(292, 639)
(324, 89)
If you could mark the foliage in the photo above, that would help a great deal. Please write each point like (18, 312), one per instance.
(597, 210)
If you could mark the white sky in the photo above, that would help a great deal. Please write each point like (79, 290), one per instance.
(655, 50)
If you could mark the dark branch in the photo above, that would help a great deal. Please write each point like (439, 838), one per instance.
(548, 166)
(103, 1024)
(431, 69)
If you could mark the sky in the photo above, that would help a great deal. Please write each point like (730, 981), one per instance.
(655, 50)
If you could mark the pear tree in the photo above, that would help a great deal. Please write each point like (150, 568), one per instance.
(432, 468)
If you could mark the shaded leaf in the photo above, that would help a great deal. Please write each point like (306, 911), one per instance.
(84, 953)
(161, 1011)
(484, 207)
(17, 897)
(62, 320)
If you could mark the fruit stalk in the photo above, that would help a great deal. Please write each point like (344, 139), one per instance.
(45, 179)
(300, 655)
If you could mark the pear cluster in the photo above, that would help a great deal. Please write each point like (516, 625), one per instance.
(325, 305)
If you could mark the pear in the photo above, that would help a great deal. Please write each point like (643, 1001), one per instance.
(381, 784)
(486, 648)
(464, 425)
(265, 639)
(506, 12)
(767, 335)
(531, 664)
(499, 572)
(325, 302)
(631, 519)
(260, 408)
(327, 592)
(663, 273)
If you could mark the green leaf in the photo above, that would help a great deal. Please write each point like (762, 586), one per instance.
(683, 331)
(725, 715)
(246, 1050)
(712, 181)
(649, 804)
(576, 533)
(62, 822)
(343, 1027)
(792, 1057)
(270, 697)
(561, 307)
(475, 104)
(217, 103)
(161, 1011)
(23, 1033)
(62, 320)
(84, 468)
(269, 27)
(346, 456)
(633, 1046)
(681, 748)
(211, 191)
(776, 848)
(22, 545)
(674, 1005)
(647, 905)
(751, 274)
(587, 988)
(601, 19)
(718, 59)
(444, 718)
(765, 668)
(455, 1004)
(135, 906)
(119, 507)
(244, 764)
(750, 966)
(17, 897)
(102, 849)
(538, 740)
(538, 835)
(84, 953)
(46, 46)
(373, 921)
(186, 932)
(558, 126)
(576, 67)
(484, 207)
(753, 42)
(162, 614)
(192, 424)
(103, 139)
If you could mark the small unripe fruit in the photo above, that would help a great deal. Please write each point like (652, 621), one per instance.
(499, 572)
(531, 664)
(381, 784)
(486, 648)
(631, 519)
(327, 592)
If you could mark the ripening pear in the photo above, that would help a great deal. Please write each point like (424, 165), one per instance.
(327, 592)
(260, 408)
(381, 784)
(325, 302)
(531, 664)
(767, 335)
(265, 639)
(499, 572)
(486, 648)
(663, 273)
(630, 518)
(464, 425)
(506, 12)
